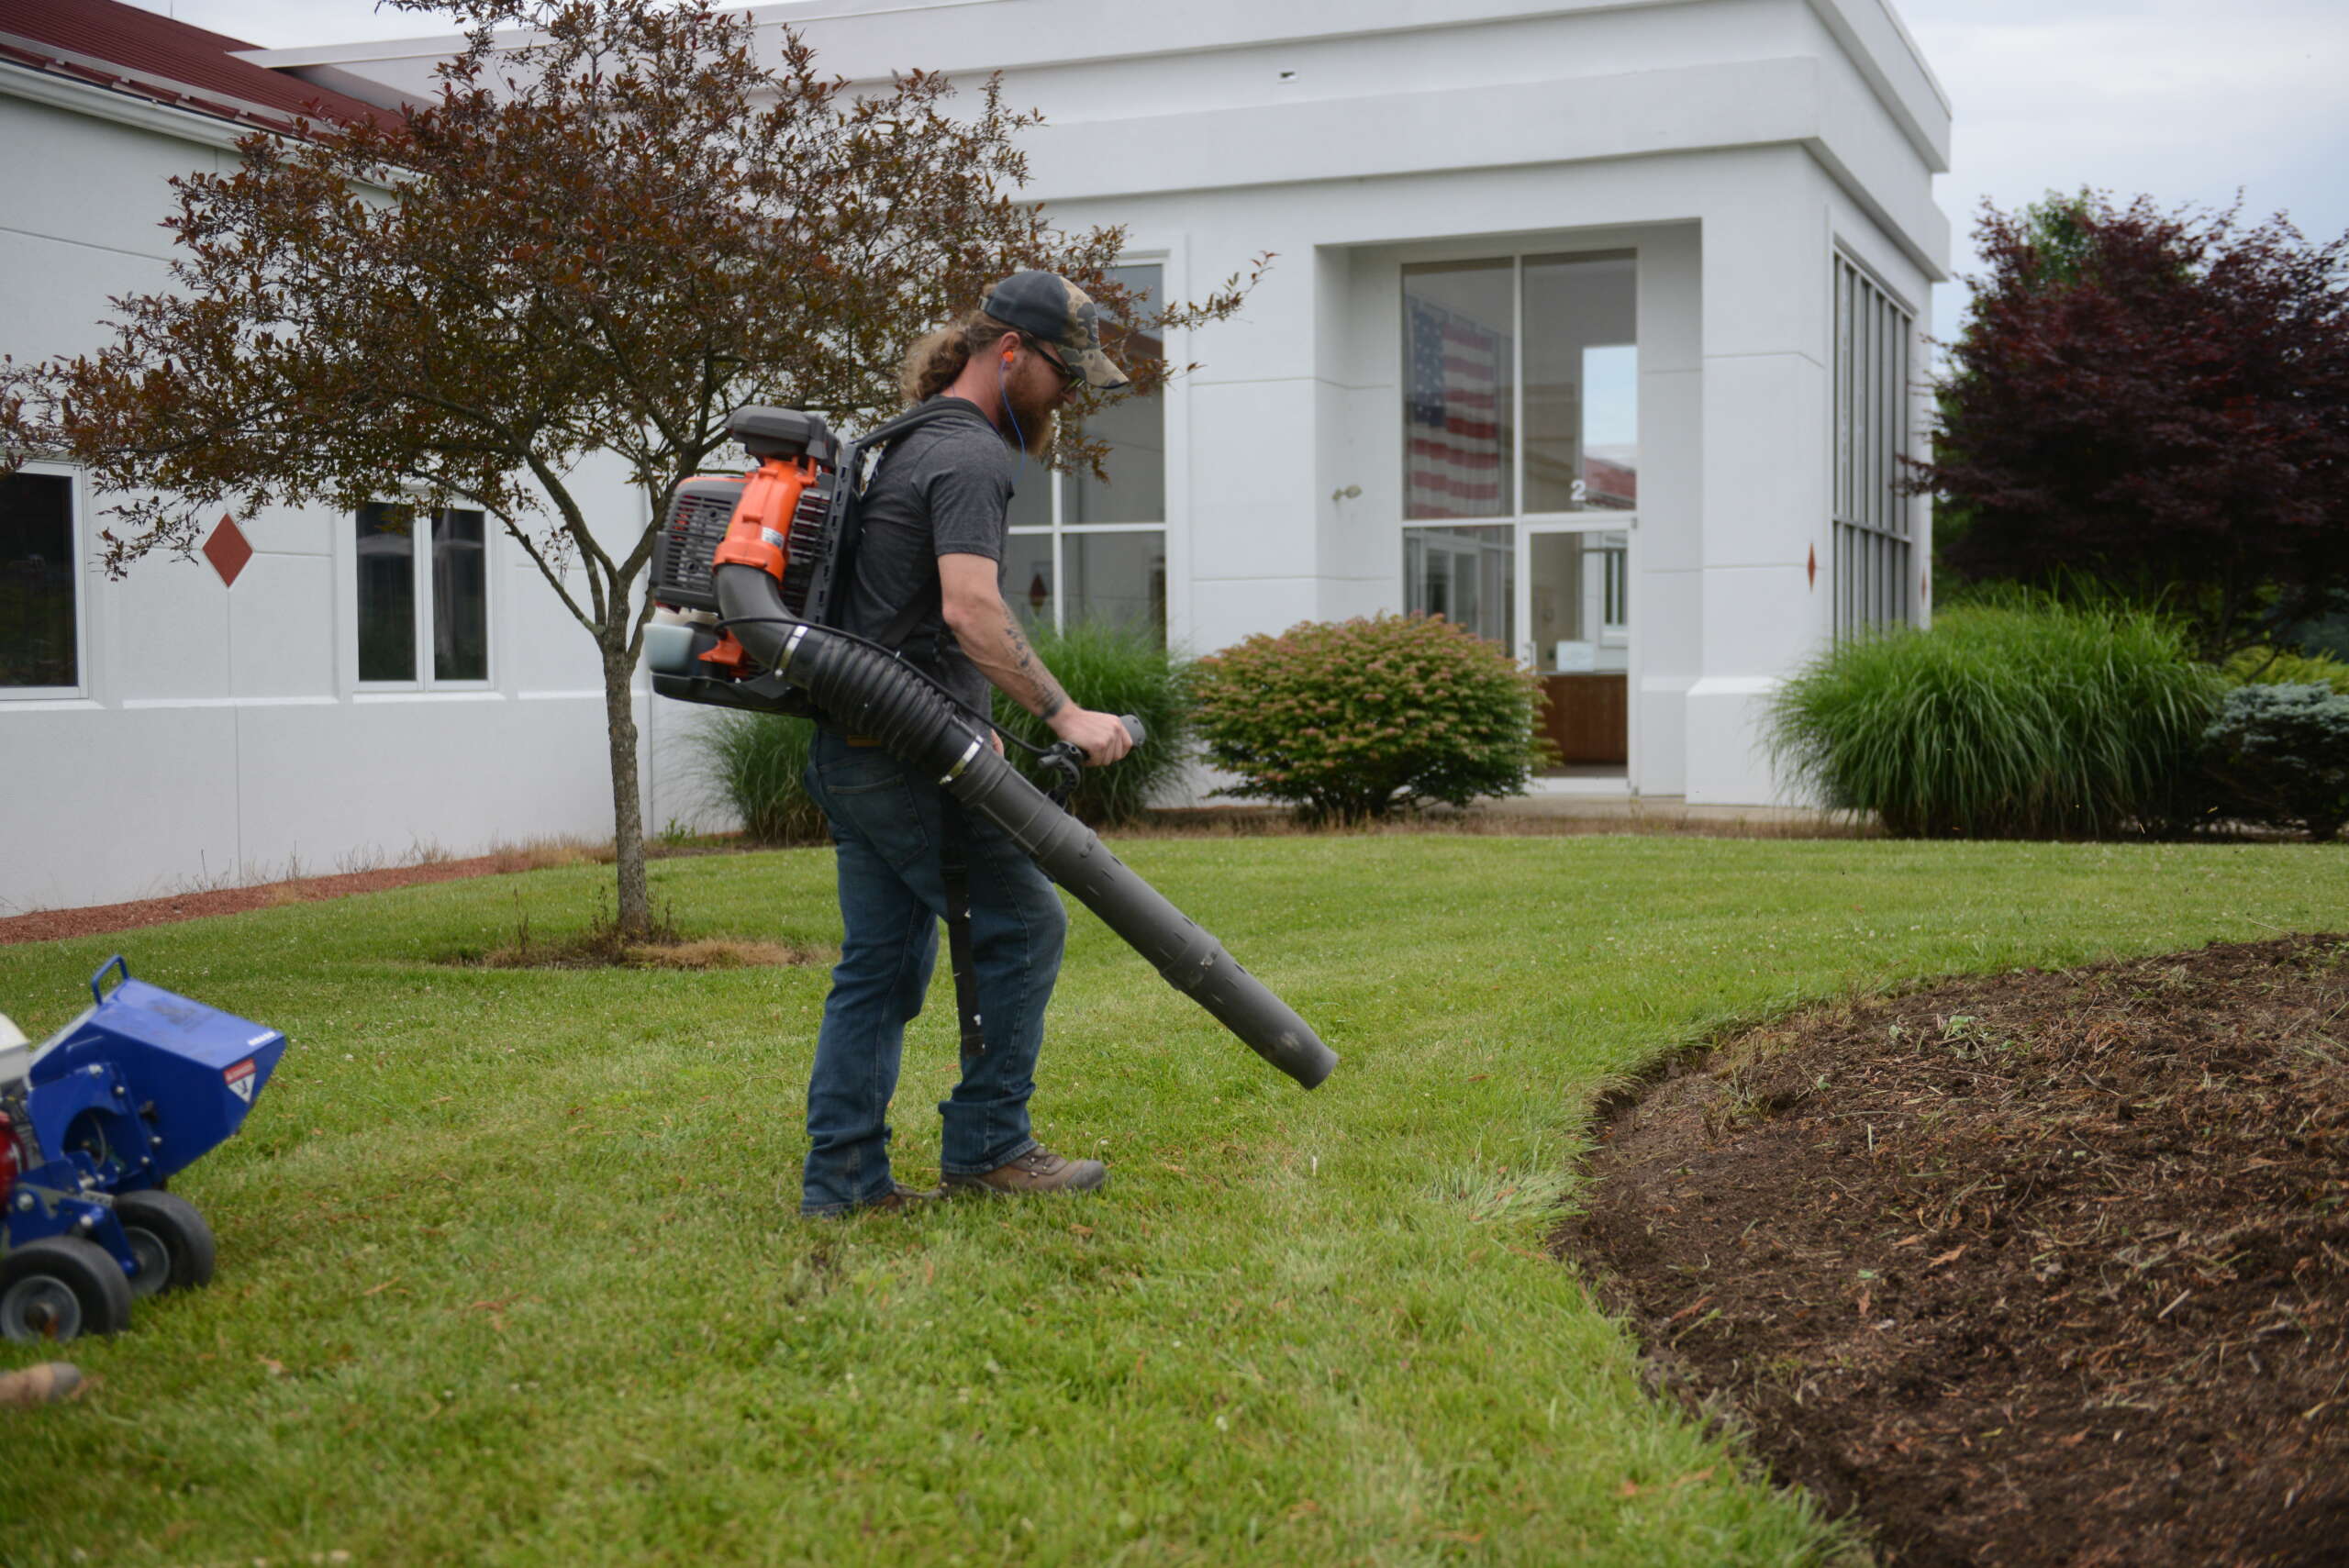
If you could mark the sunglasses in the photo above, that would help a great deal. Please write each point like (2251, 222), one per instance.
(1069, 378)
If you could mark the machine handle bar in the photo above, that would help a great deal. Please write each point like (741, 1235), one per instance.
(117, 961)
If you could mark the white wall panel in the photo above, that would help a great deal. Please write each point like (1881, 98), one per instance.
(100, 185)
(1766, 501)
(1728, 763)
(166, 632)
(1672, 469)
(57, 292)
(1234, 608)
(1252, 479)
(280, 627)
(103, 805)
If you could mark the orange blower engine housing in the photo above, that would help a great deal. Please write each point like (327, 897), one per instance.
(758, 534)
(778, 518)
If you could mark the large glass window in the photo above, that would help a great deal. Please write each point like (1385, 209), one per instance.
(1459, 406)
(386, 593)
(1520, 400)
(1566, 326)
(445, 609)
(39, 584)
(1874, 566)
(1520, 382)
(1581, 385)
(1082, 549)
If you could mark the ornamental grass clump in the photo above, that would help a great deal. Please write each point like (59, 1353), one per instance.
(753, 762)
(1350, 719)
(2032, 721)
(1114, 669)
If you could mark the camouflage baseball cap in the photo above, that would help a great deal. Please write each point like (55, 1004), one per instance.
(1046, 305)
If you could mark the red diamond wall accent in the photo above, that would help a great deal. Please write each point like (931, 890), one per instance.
(227, 550)
(1814, 566)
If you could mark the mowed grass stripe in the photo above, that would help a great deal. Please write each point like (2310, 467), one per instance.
(511, 1270)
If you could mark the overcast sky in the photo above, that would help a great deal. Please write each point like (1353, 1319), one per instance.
(2184, 100)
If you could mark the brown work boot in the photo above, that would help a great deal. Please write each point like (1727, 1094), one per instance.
(1038, 1171)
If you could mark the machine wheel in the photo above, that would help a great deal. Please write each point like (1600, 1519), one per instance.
(165, 1231)
(61, 1287)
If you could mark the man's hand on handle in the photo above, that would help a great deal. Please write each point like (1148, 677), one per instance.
(1102, 737)
(973, 606)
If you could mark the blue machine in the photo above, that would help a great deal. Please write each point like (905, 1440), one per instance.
(93, 1123)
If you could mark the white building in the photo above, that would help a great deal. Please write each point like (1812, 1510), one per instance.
(1593, 326)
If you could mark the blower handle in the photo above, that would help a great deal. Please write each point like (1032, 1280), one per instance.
(1064, 760)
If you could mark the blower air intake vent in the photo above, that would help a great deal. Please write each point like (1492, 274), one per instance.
(810, 541)
(682, 552)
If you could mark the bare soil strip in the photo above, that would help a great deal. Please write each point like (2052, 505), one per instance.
(2041, 1268)
(48, 925)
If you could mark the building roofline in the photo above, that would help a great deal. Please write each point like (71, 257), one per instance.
(33, 54)
(1870, 32)
(78, 94)
(1909, 41)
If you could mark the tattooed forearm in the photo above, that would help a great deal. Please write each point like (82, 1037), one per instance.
(990, 635)
(1004, 656)
(1046, 698)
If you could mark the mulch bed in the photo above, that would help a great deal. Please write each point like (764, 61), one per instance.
(48, 925)
(2039, 1268)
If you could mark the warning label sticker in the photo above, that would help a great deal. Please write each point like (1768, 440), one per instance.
(241, 1080)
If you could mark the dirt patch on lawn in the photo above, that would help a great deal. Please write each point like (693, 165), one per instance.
(2041, 1268)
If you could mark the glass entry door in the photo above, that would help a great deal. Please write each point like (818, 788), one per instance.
(1576, 609)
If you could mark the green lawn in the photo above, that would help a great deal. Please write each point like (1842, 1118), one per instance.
(511, 1268)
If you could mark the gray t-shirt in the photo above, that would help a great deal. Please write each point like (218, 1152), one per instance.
(941, 490)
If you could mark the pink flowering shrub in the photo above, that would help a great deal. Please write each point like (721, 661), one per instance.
(1350, 719)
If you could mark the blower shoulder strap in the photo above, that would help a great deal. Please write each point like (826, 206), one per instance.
(921, 605)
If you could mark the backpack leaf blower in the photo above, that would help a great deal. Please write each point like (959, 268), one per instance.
(750, 568)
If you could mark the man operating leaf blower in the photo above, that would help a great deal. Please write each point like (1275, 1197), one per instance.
(924, 583)
(857, 581)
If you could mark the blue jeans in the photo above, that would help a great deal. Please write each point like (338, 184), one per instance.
(889, 820)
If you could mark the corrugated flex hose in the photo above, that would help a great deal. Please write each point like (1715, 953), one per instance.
(868, 692)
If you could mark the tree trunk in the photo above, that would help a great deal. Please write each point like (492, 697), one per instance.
(627, 808)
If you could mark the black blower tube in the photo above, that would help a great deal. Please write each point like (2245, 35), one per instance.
(868, 692)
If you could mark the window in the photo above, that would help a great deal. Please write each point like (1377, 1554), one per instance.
(1873, 552)
(445, 609)
(1521, 403)
(1082, 549)
(1466, 575)
(40, 584)
(1543, 345)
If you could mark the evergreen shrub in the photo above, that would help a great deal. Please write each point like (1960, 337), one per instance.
(2281, 755)
(1121, 670)
(2003, 721)
(1350, 719)
(2268, 667)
